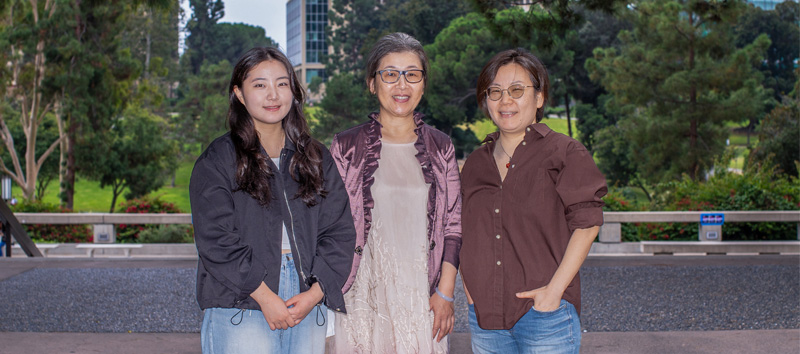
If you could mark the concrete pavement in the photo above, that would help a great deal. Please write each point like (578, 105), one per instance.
(781, 340)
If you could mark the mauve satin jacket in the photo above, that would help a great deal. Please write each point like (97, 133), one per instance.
(356, 152)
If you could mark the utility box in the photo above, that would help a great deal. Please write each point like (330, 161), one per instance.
(104, 233)
(711, 226)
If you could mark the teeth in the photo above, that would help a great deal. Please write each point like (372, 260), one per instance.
(401, 97)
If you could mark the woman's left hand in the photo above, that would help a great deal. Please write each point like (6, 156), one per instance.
(544, 299)
(301, 304)
(443, 316)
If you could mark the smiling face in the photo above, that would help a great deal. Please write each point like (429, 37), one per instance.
(266, 93)
(399, 99)
(512, 115)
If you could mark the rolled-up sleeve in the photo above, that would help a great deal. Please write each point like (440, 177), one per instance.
(581, 187)
(219, 247)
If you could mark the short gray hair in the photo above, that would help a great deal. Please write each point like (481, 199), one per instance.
(397, 42)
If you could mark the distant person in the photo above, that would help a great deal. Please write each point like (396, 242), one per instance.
(532, 209)
(271, 218)
(402, 178)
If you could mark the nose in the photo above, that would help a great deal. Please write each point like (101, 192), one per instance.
(403, 81)
(272, 92)
(506, 98)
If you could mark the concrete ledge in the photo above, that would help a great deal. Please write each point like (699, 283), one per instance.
(171, 250)
(724, 247)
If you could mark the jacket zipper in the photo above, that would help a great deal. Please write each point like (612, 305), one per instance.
(291, 220)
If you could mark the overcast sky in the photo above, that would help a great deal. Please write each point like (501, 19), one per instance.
(267, 14)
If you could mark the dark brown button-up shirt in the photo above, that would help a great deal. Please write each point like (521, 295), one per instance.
(515, 232)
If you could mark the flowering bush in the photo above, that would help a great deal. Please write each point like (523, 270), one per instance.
(52, 232)
(144, 205)
(757, 188)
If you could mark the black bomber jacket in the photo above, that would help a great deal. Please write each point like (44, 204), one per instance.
(239, 241)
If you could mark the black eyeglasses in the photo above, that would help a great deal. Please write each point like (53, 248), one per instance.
(515, 91)
(391, 76)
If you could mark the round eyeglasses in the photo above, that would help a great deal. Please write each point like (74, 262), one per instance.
(391, 76)
(515, 91)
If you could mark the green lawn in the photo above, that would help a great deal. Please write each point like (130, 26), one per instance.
(89, 197)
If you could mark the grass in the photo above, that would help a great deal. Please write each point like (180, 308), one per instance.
(89, 197)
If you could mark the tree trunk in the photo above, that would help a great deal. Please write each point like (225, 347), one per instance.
(693, 168)
(566, 106)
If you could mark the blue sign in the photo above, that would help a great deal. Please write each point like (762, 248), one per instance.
(712, 219)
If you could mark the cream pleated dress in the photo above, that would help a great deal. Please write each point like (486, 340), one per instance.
(388, 309)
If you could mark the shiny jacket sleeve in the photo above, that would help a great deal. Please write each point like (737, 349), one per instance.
(336, 236)
(452, 223)
(221, 250)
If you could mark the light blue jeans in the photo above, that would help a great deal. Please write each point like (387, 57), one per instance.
(236, 331)
(557, 332)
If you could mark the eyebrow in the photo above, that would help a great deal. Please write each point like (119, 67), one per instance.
(396, 68)
(512, 83)
(263, 78)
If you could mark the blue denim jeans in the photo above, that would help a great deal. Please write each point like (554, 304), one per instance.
(556, 332)
(236, 331)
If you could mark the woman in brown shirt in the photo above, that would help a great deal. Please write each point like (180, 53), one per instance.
(531, 210)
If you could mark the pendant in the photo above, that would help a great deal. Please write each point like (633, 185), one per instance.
(508, 165)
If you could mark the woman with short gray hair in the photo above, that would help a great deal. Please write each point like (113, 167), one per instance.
(402, 179)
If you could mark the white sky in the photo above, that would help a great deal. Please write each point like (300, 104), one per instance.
(267, 14)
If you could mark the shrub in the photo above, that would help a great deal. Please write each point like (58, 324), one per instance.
(52, 232)
(167, 234)
(759, 187)
(144, 205)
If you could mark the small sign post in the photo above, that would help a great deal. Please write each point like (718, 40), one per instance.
(711, 226)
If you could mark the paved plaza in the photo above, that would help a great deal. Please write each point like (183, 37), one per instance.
(631, 304)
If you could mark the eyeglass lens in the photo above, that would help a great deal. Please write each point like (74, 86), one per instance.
(515, 91)
(390, 76)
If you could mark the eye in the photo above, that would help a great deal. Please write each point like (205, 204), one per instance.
(390, 73)
(258, 85)
(412, 74)
(282, 84)
(516, 90)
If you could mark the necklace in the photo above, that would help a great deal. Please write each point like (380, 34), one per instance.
(505, 153)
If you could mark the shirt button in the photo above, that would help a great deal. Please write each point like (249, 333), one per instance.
(496, 211)
(528, 128)
(524, 143)
(512, 166)
(498, 237)
(498, 262)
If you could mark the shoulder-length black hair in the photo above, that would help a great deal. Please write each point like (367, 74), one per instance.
(252, 170)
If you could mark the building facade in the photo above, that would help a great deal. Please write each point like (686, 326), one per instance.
(305, 38)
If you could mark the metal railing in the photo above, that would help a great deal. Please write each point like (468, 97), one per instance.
(610, 232)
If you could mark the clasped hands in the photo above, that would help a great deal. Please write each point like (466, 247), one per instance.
(284, 314)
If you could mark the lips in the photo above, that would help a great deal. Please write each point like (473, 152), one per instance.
(400, 98)
(272, 108)
(507, 114)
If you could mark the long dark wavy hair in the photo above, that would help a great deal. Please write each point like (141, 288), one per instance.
(252, 170)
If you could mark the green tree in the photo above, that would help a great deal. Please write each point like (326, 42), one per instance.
(25, 35)
(205, 15)
(204, 105)
(779, 137)
(422, 19)
(678, 78)
(456, 58)
(347, 102)
(136, 158)
(781, 26)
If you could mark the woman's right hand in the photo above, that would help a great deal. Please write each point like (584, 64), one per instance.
(273, 307)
